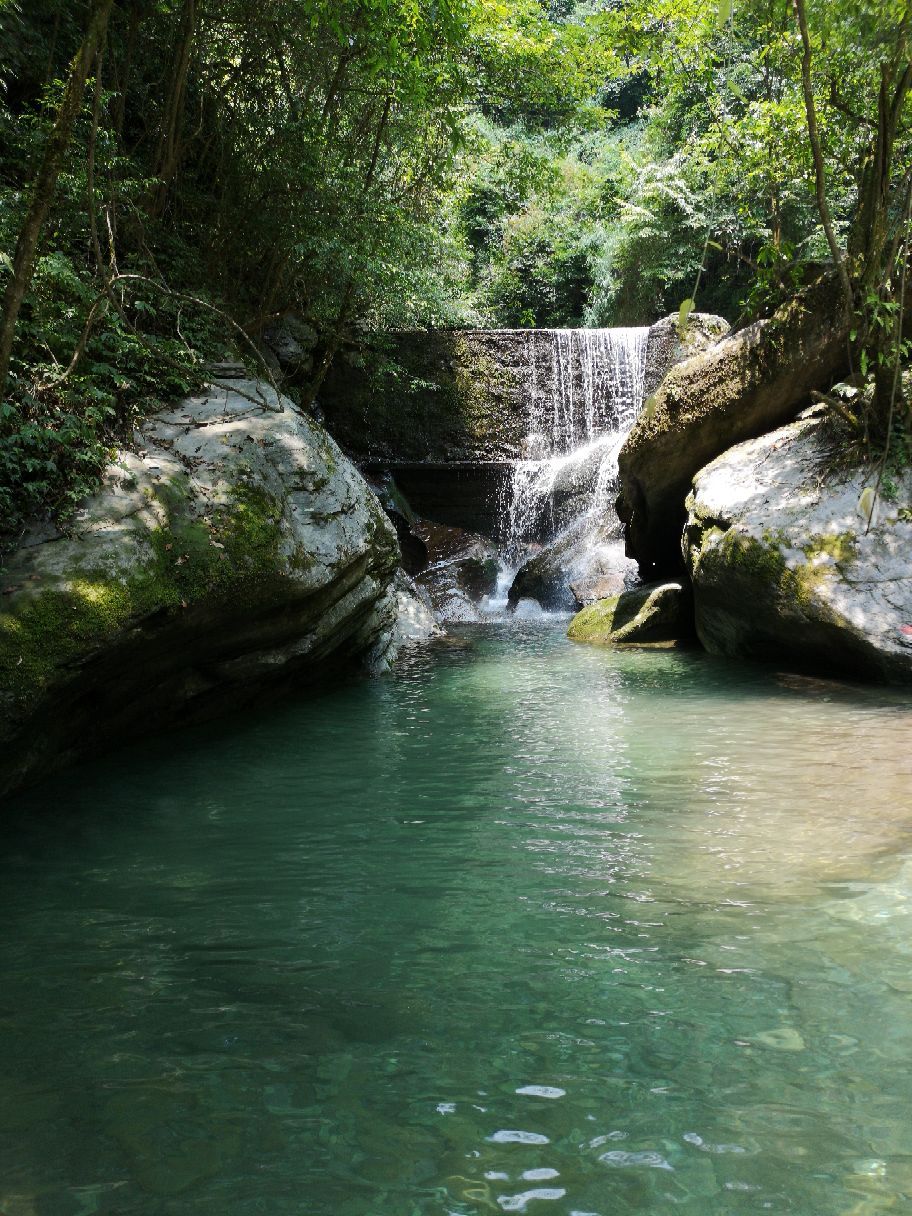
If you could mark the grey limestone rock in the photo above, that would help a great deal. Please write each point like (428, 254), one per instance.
(231, 547)
(782, 567)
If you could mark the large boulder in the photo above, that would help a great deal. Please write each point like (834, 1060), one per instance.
(231, 546)
(782, 568)
(742, 386)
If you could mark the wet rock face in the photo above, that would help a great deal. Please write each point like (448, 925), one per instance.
(465, 496)
(461, 569)
(439, 396)
(233, 547)
(580, 565)
(467, 396)
(782, 569)
(406, 616)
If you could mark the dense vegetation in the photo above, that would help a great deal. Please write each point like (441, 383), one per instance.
(177, 174)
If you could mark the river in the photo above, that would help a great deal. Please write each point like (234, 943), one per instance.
(524, 927)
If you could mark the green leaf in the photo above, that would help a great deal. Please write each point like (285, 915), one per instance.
(723, 16)
(6, 261)
(866, 504)
(683, 313)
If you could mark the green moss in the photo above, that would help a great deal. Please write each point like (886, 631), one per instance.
(192, 560)
(761, 562)
(250, 530)
(595, 622)
(55, 628)
(842, 547)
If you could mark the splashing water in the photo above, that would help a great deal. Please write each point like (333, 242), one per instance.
(578, 420)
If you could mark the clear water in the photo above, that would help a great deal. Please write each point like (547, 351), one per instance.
(527, 927)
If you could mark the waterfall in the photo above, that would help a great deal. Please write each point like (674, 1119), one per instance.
(579, 416)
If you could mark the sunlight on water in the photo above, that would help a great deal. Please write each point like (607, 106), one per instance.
(526, 927)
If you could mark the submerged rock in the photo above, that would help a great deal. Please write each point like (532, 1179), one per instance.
(232, 546)
(782, 569)
(657, 612)
(739, 387)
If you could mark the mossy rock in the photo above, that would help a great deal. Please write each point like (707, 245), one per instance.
(783, 567)
(658, 612)
(230, 547)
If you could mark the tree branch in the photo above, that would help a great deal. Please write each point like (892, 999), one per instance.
(819, 170)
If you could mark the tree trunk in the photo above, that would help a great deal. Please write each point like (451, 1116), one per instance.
(168, 156)
(871, 228)
(823, 206)
(125, 70)
(46, 181)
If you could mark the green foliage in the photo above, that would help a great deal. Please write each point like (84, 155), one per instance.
(302, 156)
(379, 164)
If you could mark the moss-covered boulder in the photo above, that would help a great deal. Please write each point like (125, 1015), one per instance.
(232, 545)
(783, 568)
(657, 612)
(745, 384)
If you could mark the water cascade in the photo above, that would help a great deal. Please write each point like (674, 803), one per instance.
(579, 416)
(557, 527)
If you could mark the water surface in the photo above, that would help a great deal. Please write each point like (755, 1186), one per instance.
(526, 927)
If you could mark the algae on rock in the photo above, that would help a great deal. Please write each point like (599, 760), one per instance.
(232, 546)
(656, 612)
(782, 566)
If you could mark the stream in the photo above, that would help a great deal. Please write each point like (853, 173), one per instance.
(523, 927)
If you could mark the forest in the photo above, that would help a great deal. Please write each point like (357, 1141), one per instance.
(176, 174)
